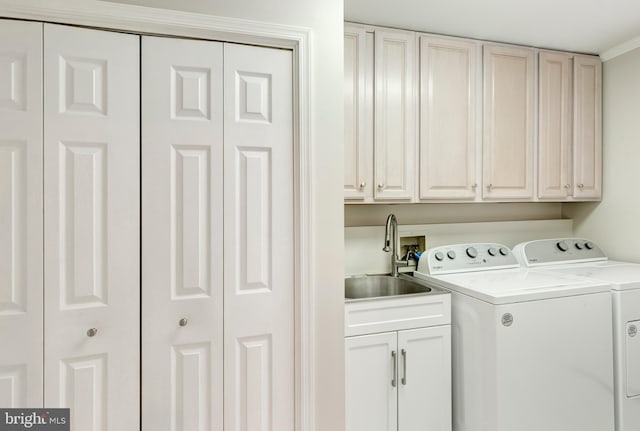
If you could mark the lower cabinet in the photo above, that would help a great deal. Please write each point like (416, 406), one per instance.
(399, 380)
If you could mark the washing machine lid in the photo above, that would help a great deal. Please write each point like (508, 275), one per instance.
(621, 275)
(508, 286)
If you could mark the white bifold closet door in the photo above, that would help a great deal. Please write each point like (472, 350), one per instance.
(182, 235)
(217, 243)
(20, 214)
(92, 226)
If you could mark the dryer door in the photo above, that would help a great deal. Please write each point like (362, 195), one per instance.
(632, 332)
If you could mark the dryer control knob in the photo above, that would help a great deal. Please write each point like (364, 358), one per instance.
(504, 251)
(492, 251)
(472, 252)
(439, 256)
(589, 245)
(562, 246)
(451, 254)
(578, 246)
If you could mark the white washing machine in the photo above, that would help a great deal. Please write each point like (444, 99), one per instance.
(531, 351)
(583, 258)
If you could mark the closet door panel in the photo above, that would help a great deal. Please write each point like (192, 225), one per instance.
(20, 214)
(259, 240)
(182, 238)
(91, 176)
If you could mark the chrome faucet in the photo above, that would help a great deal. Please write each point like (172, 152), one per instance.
(391, 244)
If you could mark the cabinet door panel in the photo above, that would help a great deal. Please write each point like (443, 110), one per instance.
(395, 133)
(587, 132)
(554, 126)
(358, 109)
(182, 178)
(447, 119)
(259, 239)
(424, 369)
(92, 227)
(508, 122)
(21, 214)
(371, 399)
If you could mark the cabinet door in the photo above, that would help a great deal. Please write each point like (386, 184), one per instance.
(508, 122)
(92, 226)
(20, 214)
(447, 118)
(587, 123)
(182, 177)
(259, 224)
(358, 113)
(424, 372)
(395, 132)
(554, 125)
(371, 370)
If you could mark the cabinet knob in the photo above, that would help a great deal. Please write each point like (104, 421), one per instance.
(489, 187)
(580, 186)
(474, 186)
(183, 321)
(363, 185)
(92, 332)
(567, 186)
(381, 186)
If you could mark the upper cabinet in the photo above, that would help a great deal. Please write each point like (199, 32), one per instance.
(358, 113)
(448, 144)
(508, 149)
(395, 130)
(569, 121)
(587, 127)
(379, 160)
(439, 119)
(554, 125)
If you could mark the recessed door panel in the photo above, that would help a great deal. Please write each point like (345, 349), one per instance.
(182, 243)
(259, 263)
(21, 256)
(92, 229)
(84, 390)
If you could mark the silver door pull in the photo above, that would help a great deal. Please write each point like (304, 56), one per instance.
(92, 332)
(394, 368)
(183, 321)
(404, 367)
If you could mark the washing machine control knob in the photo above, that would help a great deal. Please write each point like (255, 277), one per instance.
(562, 246)
(451, 254)
(472, 252)
(504, 251)
(589, 245)
(578, 246)
(439, 256)
(492, 251)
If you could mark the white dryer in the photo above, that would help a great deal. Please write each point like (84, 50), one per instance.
(530, 350)
(583, 258)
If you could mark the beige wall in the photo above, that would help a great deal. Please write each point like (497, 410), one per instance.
(325, 19)
(614, 223)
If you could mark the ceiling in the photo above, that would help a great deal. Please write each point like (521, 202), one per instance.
(587, 26)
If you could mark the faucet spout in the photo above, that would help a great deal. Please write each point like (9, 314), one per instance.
(391, 240)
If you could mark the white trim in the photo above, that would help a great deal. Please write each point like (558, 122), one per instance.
(146, 20)
(620, 49)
